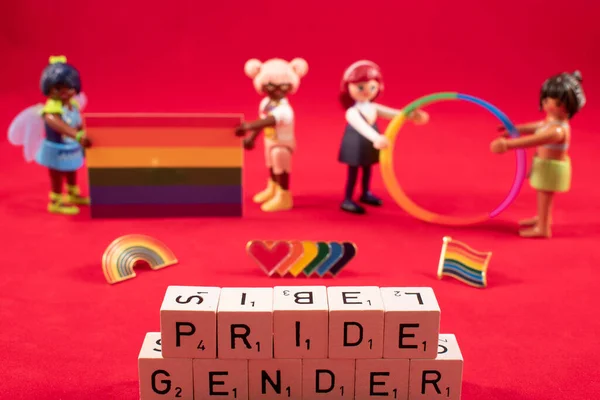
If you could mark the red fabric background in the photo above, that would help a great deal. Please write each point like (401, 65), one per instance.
(532, 335)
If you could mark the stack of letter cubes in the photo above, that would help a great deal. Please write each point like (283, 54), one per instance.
(300, 342)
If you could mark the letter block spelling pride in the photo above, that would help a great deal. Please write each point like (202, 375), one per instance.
(245, 323)
(163, 378)
(328, 379)
(440, 378)
(222, 379)
(355, 322)
(275, 379)
(412, 322)
(188, 322)
(300, 322)
(382, 378)
(164, 165)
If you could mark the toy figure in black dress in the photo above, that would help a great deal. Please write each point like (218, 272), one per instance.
(361, 84)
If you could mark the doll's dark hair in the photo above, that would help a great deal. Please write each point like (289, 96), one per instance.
(59, 73)
(565, 88)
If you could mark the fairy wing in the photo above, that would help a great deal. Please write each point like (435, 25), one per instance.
(27, 130)
(82, 100)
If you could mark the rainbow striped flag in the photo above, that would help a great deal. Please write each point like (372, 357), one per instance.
(463, 263)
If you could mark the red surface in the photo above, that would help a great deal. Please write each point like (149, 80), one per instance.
(532, 335)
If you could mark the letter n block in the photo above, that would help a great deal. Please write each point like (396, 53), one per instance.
(328, 379)
(188, 322)
(382, 378)
(163, 378)
(275, 379)
(245, 323)
(440, 378)
(300, 322)
(223, 379)
(412, 322)
(355, 322)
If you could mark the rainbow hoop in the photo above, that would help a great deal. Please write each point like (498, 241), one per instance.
(391, 182)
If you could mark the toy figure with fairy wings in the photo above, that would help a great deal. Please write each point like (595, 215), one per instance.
(53, 134)
(275, 79)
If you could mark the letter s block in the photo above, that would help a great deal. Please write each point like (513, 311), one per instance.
(163, 378)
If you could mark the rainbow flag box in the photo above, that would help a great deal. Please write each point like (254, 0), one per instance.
(164, 165)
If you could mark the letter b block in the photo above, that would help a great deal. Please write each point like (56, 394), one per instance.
(245, 323)
(188, 322)
(163, 378)
(355, 322)
(412, 323)
(440, 378)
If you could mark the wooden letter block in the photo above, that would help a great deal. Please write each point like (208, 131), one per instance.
(300, 321)
(245, 323)
(163, 378)
(188, 322)
(355, 322)
(225, 379)
(274, 379)
(328, 379)
(412, 323)
(440, 378)
(382, 378)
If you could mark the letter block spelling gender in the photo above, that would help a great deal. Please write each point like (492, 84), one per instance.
(275, 379)
(382, 378)
(245, 323)
(412, 322)
(440, 378)
(300, 322)
(222, 379)
(188, 322)
(163, 378)
(355, 322)
(328, 379)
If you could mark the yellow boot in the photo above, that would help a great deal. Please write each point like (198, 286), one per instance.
(281, 201)
(57, 206)
(266, 194)
(74, 196)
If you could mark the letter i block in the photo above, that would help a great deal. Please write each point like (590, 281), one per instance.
(225, 379)
(163, 378)
(274, 379)
(412, 323)
(300, 322)
(440, 378)
(355, 322)
(382, 378)
(245, 323)
(328, 379)
(188, 322)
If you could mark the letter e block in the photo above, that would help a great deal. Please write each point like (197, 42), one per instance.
(188, 322)
(440, 378)
(300, 322)
(355, 322)
(382, 378)
(245, 323)
(328, 379)
(412, 323)
(163, 378)
(225, 379)
(274, 379)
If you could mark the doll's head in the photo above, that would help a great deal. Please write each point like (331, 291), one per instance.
(60, 80)
(276, 77)
(362, 81)
(562, 95)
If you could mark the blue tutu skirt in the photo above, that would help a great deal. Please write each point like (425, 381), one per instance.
(66, 157)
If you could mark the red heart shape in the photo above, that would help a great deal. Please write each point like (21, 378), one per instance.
(269, 254)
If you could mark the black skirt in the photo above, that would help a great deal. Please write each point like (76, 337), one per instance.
(356, 150)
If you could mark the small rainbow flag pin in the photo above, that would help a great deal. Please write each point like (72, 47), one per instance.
(297, 257)
(124, 253)
(461, 262)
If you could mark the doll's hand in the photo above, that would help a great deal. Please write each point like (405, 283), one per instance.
(502, 129)
(242, 129)
(248, 143)
(420, 117)
(499, 146)
(381, 142)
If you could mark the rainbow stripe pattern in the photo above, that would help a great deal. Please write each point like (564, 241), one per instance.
(463, 263)
(123, 254)
(296, 258)
(164, 165)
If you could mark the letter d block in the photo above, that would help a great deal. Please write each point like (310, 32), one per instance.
(412, 323)
(440, 378)
(223, 379)
(245, 323)
(163, 378)
(188, 322)
(355, 322)
(328, 379)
